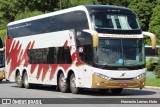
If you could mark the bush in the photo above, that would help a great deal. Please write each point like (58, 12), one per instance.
(149, 64)
(3, 35)
(157, 70)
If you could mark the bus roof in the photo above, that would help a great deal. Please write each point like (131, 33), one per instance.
(90, 8)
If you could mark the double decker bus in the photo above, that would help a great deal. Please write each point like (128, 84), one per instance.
(2, 73)
(93, 46)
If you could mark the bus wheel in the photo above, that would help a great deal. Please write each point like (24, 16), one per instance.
(25, 81)
(19, 80)
(63, 84)
(103, 91)
(117, 90)
(73, 88)
(0, 80)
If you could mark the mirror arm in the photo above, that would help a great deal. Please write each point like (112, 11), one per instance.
(152, 37)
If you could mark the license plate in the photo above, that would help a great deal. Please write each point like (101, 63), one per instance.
(123, 84)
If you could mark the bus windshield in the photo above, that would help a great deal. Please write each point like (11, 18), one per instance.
(119, 52)
(113, 22)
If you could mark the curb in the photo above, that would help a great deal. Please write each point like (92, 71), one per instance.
(152, 87)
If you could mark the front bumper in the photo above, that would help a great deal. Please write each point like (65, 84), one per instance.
(2, 74)
(100, 83)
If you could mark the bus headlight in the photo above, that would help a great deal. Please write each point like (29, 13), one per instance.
(140, 76)
(102, 76)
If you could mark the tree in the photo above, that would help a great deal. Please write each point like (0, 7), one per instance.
(27, 14)
(143, 8)
(124, 3)
(154, 25)
(70, 3)
(7, 12)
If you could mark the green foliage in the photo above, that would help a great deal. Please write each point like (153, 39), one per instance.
(115, 2)
(143, 8)
(149, 63)
(157, 68)
(70, 3)
(3, 35)
(27, 14)
(152, 82)
(154, 25)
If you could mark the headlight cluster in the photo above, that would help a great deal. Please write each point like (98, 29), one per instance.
(140, 76)
(102, 76)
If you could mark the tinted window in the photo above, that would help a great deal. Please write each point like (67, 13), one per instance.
(72, 20)
(52, 55)
(151, 52)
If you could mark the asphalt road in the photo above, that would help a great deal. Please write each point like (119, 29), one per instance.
(87, 97)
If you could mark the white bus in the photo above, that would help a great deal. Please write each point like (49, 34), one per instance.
(93, 46)
(2, 73)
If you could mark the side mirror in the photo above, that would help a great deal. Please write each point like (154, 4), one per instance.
(152, 37)
(94, 35)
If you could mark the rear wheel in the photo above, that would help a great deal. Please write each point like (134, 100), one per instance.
(117, 90)
(19, 80)
(26, 83)
(73, 88)
(63, 84)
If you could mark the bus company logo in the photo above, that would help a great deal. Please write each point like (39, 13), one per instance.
(123, 74)
(6, 101)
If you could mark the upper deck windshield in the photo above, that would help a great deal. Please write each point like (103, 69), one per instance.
(119, 53)
(117, 23)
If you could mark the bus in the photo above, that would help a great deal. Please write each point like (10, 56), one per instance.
(2, 73)
(90, 46)
(152, 54)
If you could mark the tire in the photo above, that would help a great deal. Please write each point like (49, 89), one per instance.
(73, 88)
(63, 84)
(19, 80)
(103, 91)
(0, 80)
(25, 81)
(117, 90)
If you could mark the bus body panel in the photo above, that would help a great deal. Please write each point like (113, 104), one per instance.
(22, 55)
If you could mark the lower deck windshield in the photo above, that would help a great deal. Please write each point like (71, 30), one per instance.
(119, 53)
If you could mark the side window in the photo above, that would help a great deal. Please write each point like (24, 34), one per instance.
(84, 46)
(52, 55)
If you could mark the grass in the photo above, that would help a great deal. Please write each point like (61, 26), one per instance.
(153, 82)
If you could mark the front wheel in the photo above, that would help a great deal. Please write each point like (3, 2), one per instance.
(0, 80)
(73, 88)
(117, 90)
